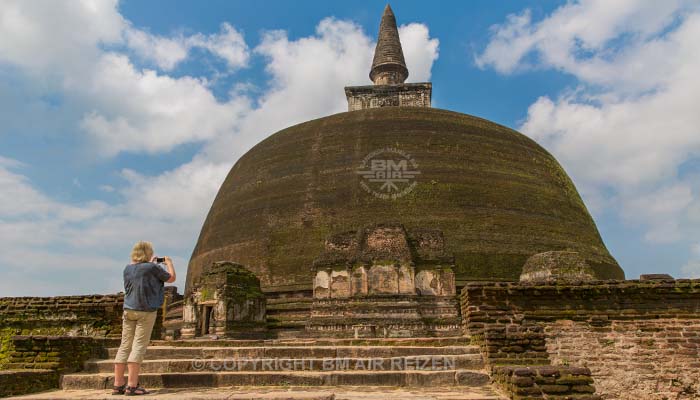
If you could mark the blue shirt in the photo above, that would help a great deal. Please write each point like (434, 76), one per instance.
(144, 286)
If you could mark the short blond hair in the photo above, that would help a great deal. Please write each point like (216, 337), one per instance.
(142, 252)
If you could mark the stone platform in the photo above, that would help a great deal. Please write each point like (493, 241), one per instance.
(410, 368)
(289, 393)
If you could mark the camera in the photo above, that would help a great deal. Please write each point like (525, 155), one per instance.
(160, 260)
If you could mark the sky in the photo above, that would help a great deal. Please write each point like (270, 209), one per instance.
(119, 120)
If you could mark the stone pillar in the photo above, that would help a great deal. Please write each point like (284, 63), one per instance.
(340, 284)
(189, 320)
(407, 283)
(428, 283)
(448, 285)
(383, 279)
(359, 281)
(322, 285)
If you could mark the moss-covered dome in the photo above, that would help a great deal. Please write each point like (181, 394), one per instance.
(497, 196)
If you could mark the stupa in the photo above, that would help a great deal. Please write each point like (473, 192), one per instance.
(496, 195)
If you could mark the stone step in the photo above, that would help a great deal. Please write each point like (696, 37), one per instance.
(289, 332)
(416, 342)
(294, 324)
(286, 300)
(288, 317)
(421, 379)
(287, 393)
(465, 361)
(288, 307)
(170, 352)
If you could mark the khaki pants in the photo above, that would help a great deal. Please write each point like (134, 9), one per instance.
(136, 333)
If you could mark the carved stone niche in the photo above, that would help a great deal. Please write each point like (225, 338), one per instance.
(227, 302)
(384, 280)
(384, 260)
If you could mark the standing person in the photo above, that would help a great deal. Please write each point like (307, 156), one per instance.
(144, 291)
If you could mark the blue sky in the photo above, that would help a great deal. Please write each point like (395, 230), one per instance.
(120, 119)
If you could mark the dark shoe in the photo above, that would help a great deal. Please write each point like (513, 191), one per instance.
(119, 390)
(135, 391)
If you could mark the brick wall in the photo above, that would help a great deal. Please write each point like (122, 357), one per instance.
(633, 359)
(15, 383)
(640, 339)
(91, 315)
(64, 354)
(545, 382)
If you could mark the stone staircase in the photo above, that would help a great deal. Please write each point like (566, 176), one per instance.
(447, 367)
(288, 315)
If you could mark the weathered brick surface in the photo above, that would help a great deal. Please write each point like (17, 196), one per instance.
(88, 315)
(641, 339)
(63, 354)
(92, 315)
(14, 383)
(545, 382)
(638, 359)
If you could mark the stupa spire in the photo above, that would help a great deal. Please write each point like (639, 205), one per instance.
(388, 74)
(388, 66)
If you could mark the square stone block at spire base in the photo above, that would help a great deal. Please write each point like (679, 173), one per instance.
(401, 95)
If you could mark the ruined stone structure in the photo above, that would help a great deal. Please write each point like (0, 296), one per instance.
(635, 339)
(382, 281)
(343, 289)
(556, 266)
(225, 302)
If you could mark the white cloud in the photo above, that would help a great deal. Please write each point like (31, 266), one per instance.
(167, 52)
(49, 37)
(692, 268)
(228, 45)
(162, 196)
(54, 242)
(577, 37)
(143, 111)
(626, 132)
(420, 51)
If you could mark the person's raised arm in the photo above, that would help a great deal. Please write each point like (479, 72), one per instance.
(171, 270)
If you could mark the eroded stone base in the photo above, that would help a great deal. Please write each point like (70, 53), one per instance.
(385, 316)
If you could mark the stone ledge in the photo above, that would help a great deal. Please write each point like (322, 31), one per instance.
(684, 283)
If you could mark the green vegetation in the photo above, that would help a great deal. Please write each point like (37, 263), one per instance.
(6, 345)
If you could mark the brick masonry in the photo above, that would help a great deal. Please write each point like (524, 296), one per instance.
(638, 359)
(88, 315)
(36, 363)
(63, 354)
(639, 338)
(14, 383)
(55, 334)
(546, 382)
(92, 315)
